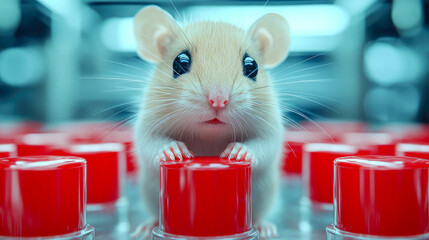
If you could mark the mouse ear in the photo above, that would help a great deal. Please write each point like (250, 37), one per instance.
(153, 30)
(271, 31)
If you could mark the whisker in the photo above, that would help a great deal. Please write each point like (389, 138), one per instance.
(310, 94)
(302, 81)
(308, 68)
(126, 65)
(288, 78)
(116, 106)
(112, 130)
(174, 6)
(114, 78)
(310, 100)
(303, 61)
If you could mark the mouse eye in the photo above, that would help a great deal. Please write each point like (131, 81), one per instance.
(250, 67)
(182, 64)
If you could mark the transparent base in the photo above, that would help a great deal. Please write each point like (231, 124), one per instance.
(109, 218)
(316, 206)
(85, 234)
(158, 234)
(315, 216)
(333, 233)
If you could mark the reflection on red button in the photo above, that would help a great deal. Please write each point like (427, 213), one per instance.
(12, 129)
(7, 150)
(105, 170)
(382, 195)
(205, 196)
(103, 132)
(376, 143)
(413, 150)
(318, 169)
(335, 128)
(42, 196)
(406, 133)
(125, 137)
(293, 142)
(32, 144)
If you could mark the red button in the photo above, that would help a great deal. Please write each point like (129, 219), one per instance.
(293, 142)
(335, 128)
(8, 129)
(40, 143)
(382, 195)
(42, 196)
(205, 196)
(104, 132)
(318, 169)
(7, 150)
(105, 170)
(413, 150)
(408, 133)
(125, 137)
(377, 143)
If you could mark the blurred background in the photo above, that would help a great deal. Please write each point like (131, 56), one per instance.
(354, 60)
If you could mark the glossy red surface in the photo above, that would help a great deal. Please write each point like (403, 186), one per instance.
(376, 143)
(205, 196)
(293, 142)
(125, 137)
(13, 128)
(40, 143)
(408, 133)
(335, 128)
(105, 170)
(97, 132)
(292, 162)
(7, 150)
(42, 196)
(382, 195)
(318, 169)
(413, 150)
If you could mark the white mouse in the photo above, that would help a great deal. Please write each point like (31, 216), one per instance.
(210, 95)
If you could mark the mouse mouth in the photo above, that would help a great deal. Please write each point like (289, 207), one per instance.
(214, 121)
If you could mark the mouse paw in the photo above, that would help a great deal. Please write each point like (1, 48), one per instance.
(144, 230)
(267, 230)
(174, 151)
(238, 152)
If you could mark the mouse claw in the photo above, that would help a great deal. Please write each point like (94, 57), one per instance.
(238, 152)
(174, 151)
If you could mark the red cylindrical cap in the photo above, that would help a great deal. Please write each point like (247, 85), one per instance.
(413, 150)
(205, 196)
(335, 128)
(103, 132)
(105, 170)
(125, 137)
(293, 142)
(407, 133)
(89, 132)
(42, 196)
(7, 150)
(14, 128)
(382, 195)
(318, 169)
(32, 144)
(376, 143)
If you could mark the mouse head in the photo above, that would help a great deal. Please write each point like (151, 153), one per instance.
(213, 72)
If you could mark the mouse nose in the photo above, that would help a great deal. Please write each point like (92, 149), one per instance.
(218, 99)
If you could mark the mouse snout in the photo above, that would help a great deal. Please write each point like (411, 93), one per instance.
(218, 98)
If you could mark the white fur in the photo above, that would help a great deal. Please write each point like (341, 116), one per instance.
(174, 109)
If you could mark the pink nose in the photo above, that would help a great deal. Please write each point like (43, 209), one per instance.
(218, 99)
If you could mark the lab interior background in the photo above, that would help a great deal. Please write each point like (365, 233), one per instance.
(71, 60)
